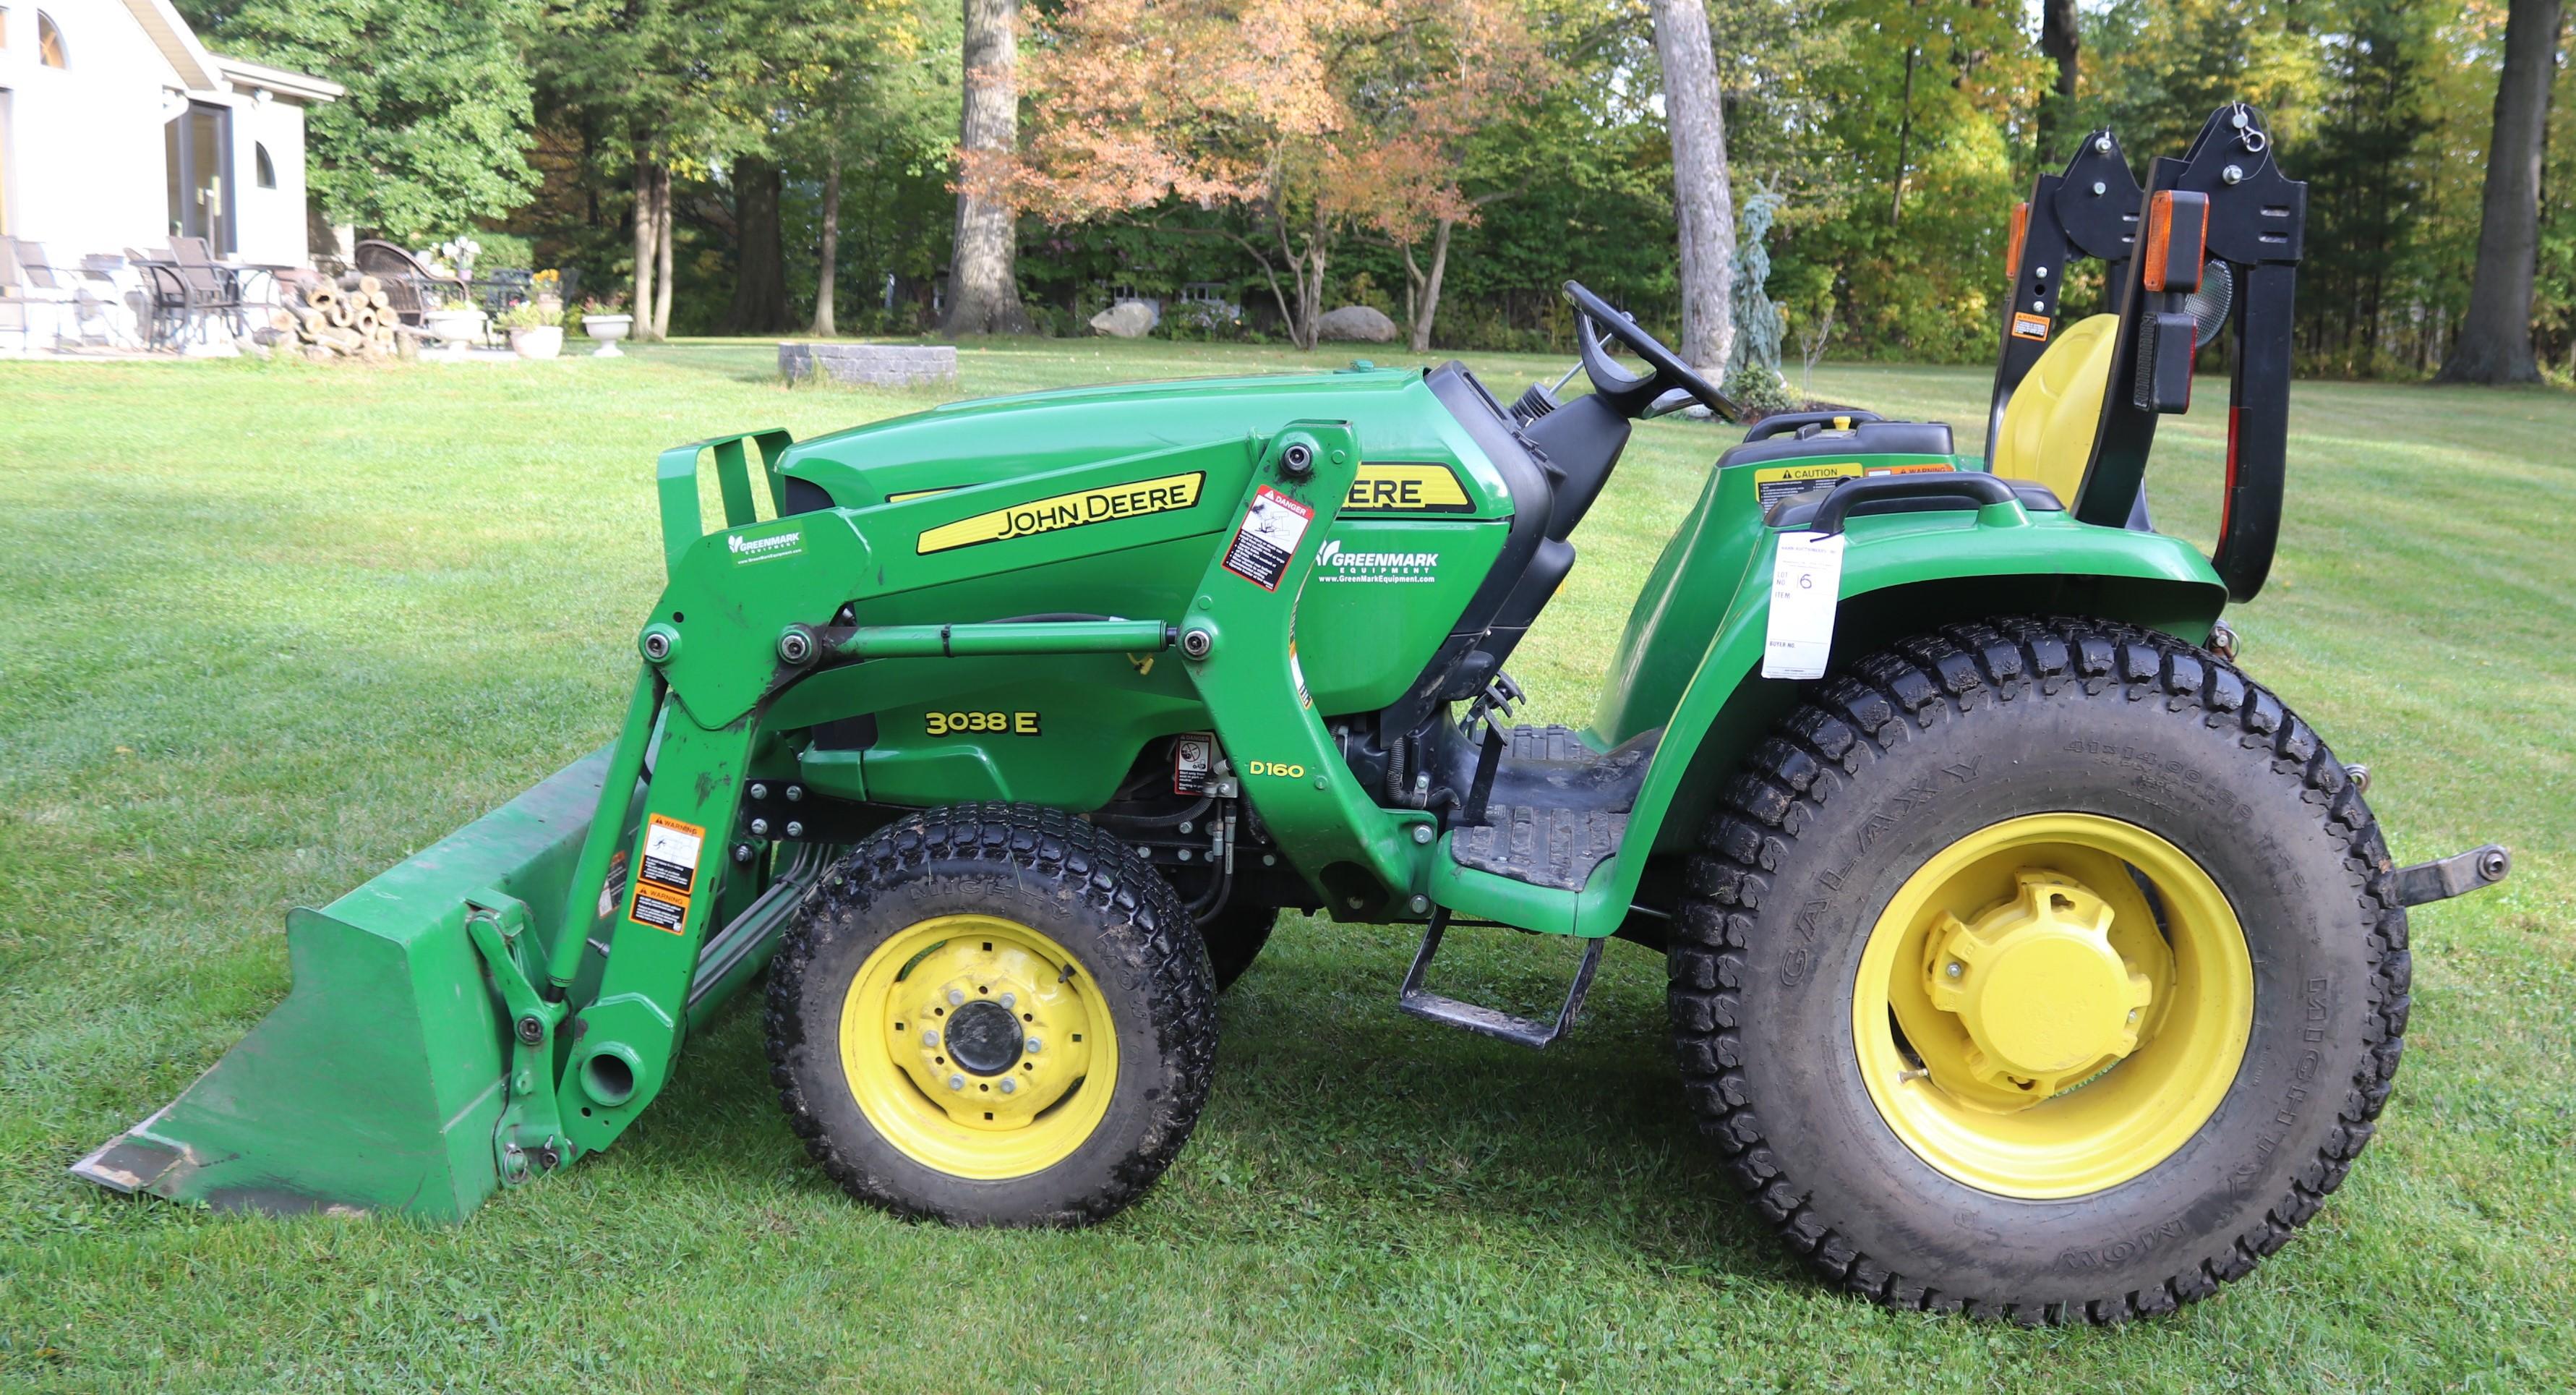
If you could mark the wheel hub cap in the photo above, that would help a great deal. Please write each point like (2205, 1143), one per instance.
(2044, 996)
(984, 1037)
(989, 1030)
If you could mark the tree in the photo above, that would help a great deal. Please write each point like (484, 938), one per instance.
(1703, 205)
(2495, 339)
(2061, 42)
(435, 129)
(983, 280)
(1309, 117)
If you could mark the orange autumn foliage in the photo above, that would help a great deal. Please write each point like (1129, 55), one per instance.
(1312, 115)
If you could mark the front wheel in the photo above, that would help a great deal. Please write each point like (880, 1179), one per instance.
(2045, 969)
(993, 1015)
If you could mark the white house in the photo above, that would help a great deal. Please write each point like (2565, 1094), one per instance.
(118, 129)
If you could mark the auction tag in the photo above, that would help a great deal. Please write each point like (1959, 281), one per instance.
(1806, 585)
(1267, 542)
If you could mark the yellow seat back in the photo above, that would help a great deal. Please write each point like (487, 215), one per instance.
(2048, 429)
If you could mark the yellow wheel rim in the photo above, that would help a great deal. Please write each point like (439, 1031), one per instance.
(978, 1047)
(2029, 1025)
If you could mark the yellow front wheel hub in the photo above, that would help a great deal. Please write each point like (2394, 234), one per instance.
(2053, 1005)
(978, 1046)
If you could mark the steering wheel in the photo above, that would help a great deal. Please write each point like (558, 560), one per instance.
(1635, 395)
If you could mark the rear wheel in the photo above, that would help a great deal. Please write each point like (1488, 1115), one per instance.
(994, 1015)
(2045, 969)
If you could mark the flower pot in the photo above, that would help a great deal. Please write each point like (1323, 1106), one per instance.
(607, 330)
(459, 330)
(539, 341)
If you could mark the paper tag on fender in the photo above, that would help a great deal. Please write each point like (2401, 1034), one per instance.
(1806, 584)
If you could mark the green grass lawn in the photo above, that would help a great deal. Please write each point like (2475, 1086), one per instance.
(265, 630)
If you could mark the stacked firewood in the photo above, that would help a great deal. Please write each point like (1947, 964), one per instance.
(353, 319)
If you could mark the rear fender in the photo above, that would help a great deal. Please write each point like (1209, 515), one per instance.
(1902, 574)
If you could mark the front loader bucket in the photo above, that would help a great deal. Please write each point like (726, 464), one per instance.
(377, 1084)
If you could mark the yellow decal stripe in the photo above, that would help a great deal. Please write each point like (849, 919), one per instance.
(1132, 500)
(1406, 488)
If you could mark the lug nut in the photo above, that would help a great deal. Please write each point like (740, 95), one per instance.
(1033, 1046)
(956, 1082)
(956, 996)
(1955, 969)
(930, 1036)
(1010, 1000)
(1008, 1086)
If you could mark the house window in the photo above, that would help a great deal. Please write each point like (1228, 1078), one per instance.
(262, 166)
(49, 41)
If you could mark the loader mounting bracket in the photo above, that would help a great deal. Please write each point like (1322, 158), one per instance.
(529, 1139)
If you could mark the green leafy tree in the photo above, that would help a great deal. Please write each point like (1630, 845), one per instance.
(434, 132)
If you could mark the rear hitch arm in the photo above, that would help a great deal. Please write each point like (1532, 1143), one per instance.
(2456, 875)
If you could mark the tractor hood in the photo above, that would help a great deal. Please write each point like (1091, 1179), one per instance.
(987, 440)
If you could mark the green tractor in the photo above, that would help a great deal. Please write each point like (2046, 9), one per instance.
(2026, 956)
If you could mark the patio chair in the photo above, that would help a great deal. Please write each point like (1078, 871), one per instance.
(14, 303)
(48, 300)
(411, 288)
(217, 288)
(168, 305)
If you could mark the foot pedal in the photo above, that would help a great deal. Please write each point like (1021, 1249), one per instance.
(1487, 1021)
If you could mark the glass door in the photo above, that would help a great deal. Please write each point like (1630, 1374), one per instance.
(198, 145)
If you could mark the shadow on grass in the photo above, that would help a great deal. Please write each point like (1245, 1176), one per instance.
(1335, 1114)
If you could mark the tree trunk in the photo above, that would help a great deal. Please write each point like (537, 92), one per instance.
(1904, 141)
(983, 280)
(760, 269)
(824, 277)
(1703, 205)
(2495, 341)
(647, 226)
(661, 252)
(2060, 42)
(1430, 300)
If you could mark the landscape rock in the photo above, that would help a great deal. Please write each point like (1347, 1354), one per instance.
(1128, 319)
(1358, 323)
(878, 365)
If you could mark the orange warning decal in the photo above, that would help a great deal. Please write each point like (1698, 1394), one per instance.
(668, 875)
(2029, 326)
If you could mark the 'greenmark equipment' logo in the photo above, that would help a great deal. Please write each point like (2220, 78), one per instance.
(769, 549)
(1333, 562)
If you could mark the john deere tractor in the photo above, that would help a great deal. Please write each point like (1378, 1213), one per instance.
(2027, 957)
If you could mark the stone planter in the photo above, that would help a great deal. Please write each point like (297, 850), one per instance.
(459, 330)
(537, 341)
(607, 330)
(875, 365)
